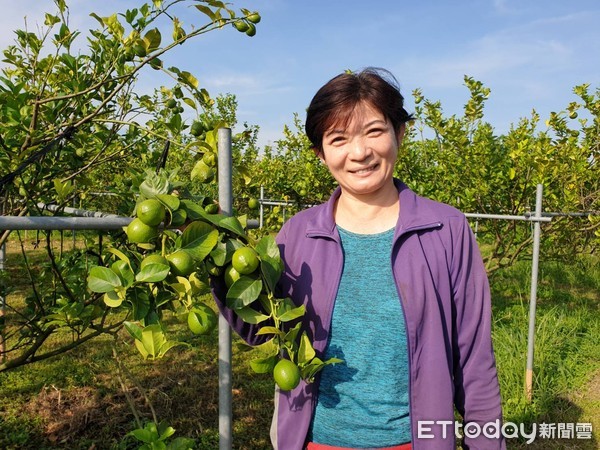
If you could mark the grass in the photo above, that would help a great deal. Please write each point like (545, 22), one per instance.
(566, 366)
(89, 399)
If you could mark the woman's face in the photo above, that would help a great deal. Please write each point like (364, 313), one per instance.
(361, 156)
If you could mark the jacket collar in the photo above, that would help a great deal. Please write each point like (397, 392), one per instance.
(414, 214)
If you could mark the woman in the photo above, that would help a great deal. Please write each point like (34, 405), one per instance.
(393, 284)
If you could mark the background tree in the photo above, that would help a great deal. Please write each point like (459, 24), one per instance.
(466, 164)
(72, 121)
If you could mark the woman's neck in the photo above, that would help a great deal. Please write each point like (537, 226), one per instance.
(367, 215)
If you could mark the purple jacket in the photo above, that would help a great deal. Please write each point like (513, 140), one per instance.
(445, 297)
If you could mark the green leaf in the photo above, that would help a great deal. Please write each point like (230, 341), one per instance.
(97, 17)
(114, 26)
(165, 431)
(250, 315)
(168, 345)
(102, 279)
(141, 348)
(154, 184)
(51, 20)
(119, 254)
(182, 443)
(153, 273)
(168, 200)
(270, 330)
(153, 338)
(190, 102)
(206, 10)
(187, 78)
(199, 238)
(243, 292)
(153, 39)
(267, 247)
(309, 370)
(123, 271)
(112, 299)
(232, 224)
(63, 189)
(194, 210)
(144, 435)
(292, 334)
(263, 365)
(271, 269)
(133, 329)
(221, 254)
(292, 314)
(140, 302)
(271, 263)
(306, 352)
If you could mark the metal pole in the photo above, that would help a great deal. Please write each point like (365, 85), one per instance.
(533, 295)
(262, 207)
(2, 298)
(62, 223)
(226, 204)
(2, 303)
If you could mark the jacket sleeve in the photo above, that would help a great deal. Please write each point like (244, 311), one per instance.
(477, 393)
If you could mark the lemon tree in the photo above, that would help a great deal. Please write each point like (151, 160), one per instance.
(168, 268)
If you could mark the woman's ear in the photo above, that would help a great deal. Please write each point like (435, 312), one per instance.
(319, 154)
(400, 133)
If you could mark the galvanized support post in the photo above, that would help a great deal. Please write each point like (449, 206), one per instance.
(533, 294)
(262, 207)
(2, 303)
(226, 204)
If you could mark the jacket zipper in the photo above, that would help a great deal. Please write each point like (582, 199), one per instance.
(402, 300)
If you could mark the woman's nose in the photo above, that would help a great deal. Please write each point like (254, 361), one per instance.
(359, 149)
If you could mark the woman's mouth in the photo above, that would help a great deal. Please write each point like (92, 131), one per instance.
(365, 170)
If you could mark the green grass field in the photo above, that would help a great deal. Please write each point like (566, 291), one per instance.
(91, 397)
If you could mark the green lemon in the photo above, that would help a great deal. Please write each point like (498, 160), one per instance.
(138, 232)
(241, 26)
(197, 128)
(245, 260)
(202, 319)
(151, 212)
(253, 203)
(140, 49)
(286, 375)
(231, 275)
(254, 17)
(181, 262)
(212, 208)
(251, 31)
(154, 258)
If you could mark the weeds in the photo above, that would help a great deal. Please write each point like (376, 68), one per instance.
(86, 398)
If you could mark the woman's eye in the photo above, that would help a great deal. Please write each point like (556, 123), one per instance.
(375, 131)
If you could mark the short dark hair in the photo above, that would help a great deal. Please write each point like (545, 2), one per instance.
(336, 100)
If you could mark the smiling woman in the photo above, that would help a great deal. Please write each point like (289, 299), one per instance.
(391, 282)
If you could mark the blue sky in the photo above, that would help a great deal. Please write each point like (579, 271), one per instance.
(529, 53)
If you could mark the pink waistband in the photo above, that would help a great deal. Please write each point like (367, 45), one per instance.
(314, 446)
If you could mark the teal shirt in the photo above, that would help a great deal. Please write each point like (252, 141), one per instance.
(363, 402)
